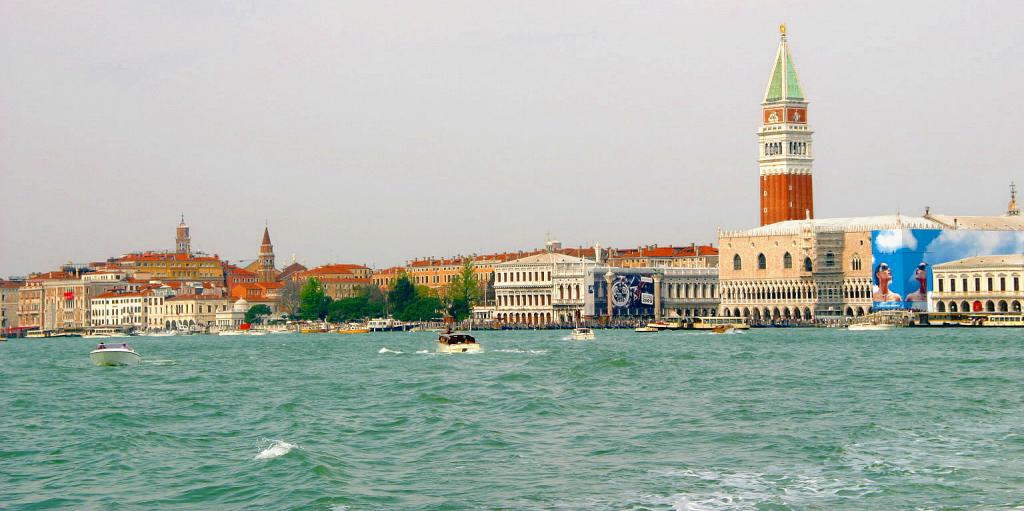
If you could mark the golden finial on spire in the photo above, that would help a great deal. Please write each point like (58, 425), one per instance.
(782, 29)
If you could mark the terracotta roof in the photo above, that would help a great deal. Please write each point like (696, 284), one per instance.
(654, 251)
(53, 275)
(266, 235)
(11, 284)
(329, 269)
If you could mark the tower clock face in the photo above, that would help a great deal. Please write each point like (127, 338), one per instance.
(620, 294)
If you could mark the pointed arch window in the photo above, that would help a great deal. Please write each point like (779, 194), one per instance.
(807, 264)
(856, 262)
(787, 261)
(737, 263)
(762, 262)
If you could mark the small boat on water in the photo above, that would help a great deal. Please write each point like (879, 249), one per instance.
(354, 330)
(582, 334)
(452, 342)
(870, 327)
(48, 334)
(723, 329)
(646, 329)
(114, 355)
(660, 325)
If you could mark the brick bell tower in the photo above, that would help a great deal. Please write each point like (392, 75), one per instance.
(265, 272)
(785, 139)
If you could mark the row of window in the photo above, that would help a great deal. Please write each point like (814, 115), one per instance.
(776, 148)
(787, 262)
(977, 284)
(522, 276)
(523, 300)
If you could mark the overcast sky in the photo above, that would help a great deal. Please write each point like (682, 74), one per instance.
(375, 132)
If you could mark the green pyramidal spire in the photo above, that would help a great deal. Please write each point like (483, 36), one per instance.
(784, 84)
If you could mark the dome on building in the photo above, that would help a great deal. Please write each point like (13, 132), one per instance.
(241, 305)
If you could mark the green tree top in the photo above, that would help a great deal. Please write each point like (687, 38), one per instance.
(313, 302)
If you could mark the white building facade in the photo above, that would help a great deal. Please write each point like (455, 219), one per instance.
(979, 284)
(541, 289)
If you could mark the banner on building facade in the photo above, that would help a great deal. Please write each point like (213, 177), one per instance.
(631, 293)
(905, 262)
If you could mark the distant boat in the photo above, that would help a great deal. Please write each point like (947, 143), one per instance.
(582, 334)
(645, 329)
(870, 327)
(457, 343)
(660, 325)
(114, 355)
(354, 330)
(723, 329)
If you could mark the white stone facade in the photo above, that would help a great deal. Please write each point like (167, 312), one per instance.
(527, 290)
(979, 284)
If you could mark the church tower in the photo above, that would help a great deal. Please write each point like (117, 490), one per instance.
(265, 272)
(182, 242)
(785, 144)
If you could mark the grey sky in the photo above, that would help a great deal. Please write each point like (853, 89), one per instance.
(375, 132)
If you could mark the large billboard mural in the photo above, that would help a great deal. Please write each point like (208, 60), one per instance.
(902, 261)
(632, 293)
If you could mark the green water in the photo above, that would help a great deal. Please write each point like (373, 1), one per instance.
(770, 419)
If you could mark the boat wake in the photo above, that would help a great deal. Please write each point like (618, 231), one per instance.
(160, 362)
(531, 352)
(276, 449)
(423, 352)
(385, 350)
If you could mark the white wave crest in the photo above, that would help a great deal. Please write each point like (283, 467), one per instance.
(385, 350)
(423, 352)
(276, 449)
(532, 352)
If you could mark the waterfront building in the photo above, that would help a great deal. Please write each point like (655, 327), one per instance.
(524, 289)
(786, 154)
(120, 309)
(340, 281)
(190, 311)
(438, 273)
(989, 283)
(9, 303)
(817, 268)
(232, 318)
(803, 269)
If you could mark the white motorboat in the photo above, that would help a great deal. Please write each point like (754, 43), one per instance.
(645, 329)
(457, 343)
(114, 355)
(231, 332)
(582, 334)
(870, 326)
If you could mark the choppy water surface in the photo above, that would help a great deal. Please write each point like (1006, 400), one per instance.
(766, 420)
